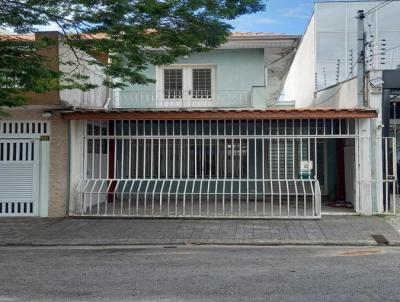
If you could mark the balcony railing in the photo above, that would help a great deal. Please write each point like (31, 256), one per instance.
(181, 99)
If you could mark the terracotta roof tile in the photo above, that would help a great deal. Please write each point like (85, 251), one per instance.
(31, 37)
(253, 34)
(298, 113)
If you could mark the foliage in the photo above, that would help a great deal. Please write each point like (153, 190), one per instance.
(134, 34)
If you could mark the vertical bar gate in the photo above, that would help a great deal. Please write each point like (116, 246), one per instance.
(205, 168)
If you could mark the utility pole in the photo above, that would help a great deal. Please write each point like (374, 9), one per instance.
(361, 70)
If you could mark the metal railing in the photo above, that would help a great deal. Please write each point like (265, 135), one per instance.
(176, 99)
(255, 198)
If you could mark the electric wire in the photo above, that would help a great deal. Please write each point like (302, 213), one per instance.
(377, 7)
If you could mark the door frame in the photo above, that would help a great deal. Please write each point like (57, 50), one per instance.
(187, 85)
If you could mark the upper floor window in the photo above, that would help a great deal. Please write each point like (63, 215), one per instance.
(195, 83)
(173, 83)
(201, 80)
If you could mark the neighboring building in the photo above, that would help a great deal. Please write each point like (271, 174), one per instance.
(34, 143)
(234, 132)
(324, 75)
(328, 52)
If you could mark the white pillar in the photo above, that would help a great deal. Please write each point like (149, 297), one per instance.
(44, 147)
(369, 190)
(375, 101)
(76, 160)
(364, 169)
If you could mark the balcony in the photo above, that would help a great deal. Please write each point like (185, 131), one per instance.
(188, 99)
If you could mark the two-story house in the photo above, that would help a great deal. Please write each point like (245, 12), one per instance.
(210, 139)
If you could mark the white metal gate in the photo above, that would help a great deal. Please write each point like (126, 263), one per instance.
(204, 168)
(19, 166)
(19, 177)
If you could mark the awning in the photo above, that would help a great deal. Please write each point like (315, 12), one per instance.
(298, 113)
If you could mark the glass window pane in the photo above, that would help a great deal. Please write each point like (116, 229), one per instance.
(173, 83)
(202, 83)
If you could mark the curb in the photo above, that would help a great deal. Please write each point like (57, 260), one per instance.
(197, 243)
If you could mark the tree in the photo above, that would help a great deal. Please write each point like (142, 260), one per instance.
(134, 34)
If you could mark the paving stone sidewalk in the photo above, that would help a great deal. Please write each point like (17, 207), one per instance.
(331, 230)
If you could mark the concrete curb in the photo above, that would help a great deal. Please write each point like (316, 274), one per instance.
(194, 243)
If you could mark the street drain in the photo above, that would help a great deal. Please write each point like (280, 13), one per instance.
(380, 239)
(169, 246)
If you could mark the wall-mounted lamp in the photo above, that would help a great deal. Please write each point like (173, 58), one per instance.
(376, 82)
(47, 114)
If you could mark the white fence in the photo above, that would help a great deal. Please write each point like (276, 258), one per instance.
(205, 168)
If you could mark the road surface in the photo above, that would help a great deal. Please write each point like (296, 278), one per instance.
(200, 273)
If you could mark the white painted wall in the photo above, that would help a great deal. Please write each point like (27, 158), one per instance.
(300, 85)
(336, 38)
(94, 98)
(77, 132)
(342, 95)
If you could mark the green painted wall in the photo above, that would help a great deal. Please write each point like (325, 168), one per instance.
(236, 69)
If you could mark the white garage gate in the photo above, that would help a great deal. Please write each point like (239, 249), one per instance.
(20, 167)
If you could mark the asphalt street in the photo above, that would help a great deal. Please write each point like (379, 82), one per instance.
(200, 273)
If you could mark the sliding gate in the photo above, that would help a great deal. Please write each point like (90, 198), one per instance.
(203, 168)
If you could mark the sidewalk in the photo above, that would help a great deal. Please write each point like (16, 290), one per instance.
(330, 230)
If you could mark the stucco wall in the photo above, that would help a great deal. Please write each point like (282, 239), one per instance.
(342, 95)
(58, 174)
(299, 85)
(93, 98)
(235, 70)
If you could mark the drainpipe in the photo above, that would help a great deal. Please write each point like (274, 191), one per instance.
(109, 90)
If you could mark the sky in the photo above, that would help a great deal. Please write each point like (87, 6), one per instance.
(280, 16)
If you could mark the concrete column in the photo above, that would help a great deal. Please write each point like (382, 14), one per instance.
(364, 168)
(44, 171)
(370, 155)
(375, 100)
(76, 160)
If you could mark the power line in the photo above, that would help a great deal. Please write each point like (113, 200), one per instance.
(378, 7)
(349, 76)
(338, 85)
(383, 51)
(369, 12)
